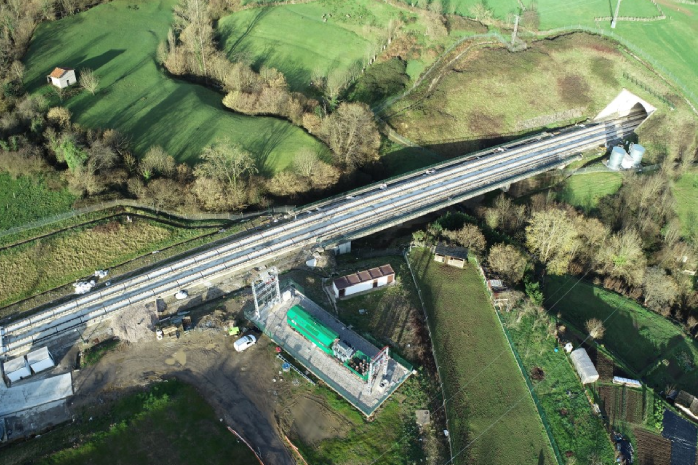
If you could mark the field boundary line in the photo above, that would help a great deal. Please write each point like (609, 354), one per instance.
(246, 443)
(519, 363)
(431, 337)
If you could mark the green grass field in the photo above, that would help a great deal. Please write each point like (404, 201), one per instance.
(489, 409)
(118, 41)
(169, 423)
(638, 337)
(686, 194)
(287, 37)
(43, 264)
(586, 190)
(24, 200)
(574, 425)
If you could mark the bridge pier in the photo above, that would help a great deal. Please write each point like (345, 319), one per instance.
(344, 247)
(505, 187)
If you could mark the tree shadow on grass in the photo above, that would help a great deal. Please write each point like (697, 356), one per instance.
(97, 62)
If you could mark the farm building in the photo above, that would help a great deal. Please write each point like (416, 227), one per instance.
(363, 281)
(62, 77)
(40, 360)
(584, 365)
(16, 369)
(453, 256)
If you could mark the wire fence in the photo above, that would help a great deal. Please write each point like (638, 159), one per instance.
(126, 203)
(431, 338)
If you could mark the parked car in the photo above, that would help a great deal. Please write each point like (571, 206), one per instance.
(430, 171)
(181, 295)
(244, 342)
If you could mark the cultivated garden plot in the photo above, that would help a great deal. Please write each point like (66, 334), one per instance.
(119, 41)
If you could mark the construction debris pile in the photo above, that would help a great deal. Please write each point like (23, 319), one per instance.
(135, 323)
(217, 320)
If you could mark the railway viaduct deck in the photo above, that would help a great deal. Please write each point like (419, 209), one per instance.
(327, 223)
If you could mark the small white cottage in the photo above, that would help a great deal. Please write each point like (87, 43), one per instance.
(363, 281)
(62, 77)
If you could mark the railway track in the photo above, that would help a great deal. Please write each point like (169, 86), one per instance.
(349, 216)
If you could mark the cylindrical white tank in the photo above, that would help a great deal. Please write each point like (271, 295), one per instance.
(617, 155)
(637, 151)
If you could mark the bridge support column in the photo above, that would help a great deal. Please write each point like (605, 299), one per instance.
(505, 188)
(343, 248)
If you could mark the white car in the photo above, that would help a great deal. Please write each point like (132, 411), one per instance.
(181, 295)
(430, 171)
(245, 342)
(383, 187)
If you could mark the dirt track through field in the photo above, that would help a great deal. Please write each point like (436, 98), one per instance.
(238, 385)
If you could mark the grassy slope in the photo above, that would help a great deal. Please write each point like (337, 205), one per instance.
(637, 336)
(686, 195)
(468, 102)
(24, 200)
(480, 374)
(287, 37)
(586, 190)
(119, 43)
(172, 424)
(39, 265)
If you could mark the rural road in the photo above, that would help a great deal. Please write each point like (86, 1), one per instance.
(239, 386)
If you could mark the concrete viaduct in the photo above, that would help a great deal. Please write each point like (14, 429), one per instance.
(331, 223)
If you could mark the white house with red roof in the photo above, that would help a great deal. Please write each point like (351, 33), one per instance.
(62, 77)
(363, 281)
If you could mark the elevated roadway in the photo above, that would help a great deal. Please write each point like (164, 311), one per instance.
(327, 223)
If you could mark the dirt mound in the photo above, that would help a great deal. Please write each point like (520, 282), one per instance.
(313, 421)
(135, 323)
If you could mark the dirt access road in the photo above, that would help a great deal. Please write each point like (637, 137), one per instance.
(239, 386)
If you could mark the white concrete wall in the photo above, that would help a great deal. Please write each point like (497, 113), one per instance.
(68, 79)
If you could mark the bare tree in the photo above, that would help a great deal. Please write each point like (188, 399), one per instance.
(352, 134)
(226, 162)
(595, 328)
(156, 160)
(660, 290)
(305, 162)
(552, 236)
(621, 256)
(469, 236)
(507, 261)
(88, 80)
(194, 21)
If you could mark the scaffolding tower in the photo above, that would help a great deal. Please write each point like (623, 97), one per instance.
(266, 291)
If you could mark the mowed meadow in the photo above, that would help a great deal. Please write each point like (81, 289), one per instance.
(492, 419)
(119, 41)
(327, 39)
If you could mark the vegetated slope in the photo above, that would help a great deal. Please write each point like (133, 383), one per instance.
(24, 200)
(492, 92)
(307, 41)
(169, 423)
(491, 416)
(43, 264)
(686, 195)
(639, 337)
(119, 41)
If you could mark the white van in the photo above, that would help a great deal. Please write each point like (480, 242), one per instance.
(244, 342)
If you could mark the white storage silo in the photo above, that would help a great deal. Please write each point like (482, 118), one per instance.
(637, 151)
(617, 155)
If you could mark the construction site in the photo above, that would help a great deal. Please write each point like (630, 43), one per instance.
(360, 372)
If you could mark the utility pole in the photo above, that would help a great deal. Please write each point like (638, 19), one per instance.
(615, 16)
(516, 29)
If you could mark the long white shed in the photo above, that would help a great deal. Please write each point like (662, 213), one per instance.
(363, 281)
(585, 367)
(16, 369)
(40, 360)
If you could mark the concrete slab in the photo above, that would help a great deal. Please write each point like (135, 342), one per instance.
(347, 384)
(32, 394)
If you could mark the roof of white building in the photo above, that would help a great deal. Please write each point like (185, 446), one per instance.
(35, 393)
(16, 364)
(363, 276)
(38, 355)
